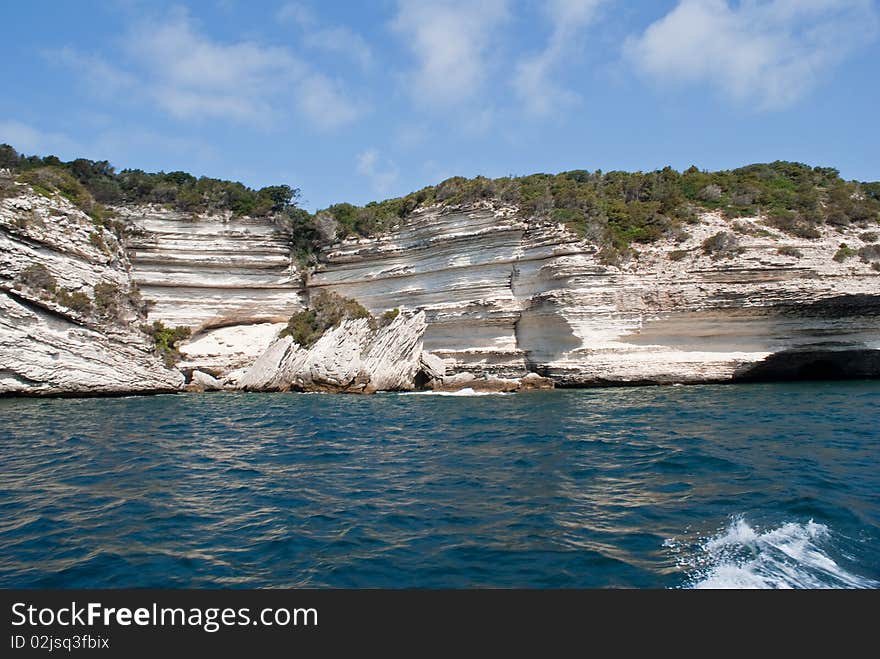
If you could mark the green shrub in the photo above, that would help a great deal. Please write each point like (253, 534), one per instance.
(711, 193)
(610, 255)
(97, 240)
(7, 188)
(100, 215)
(136, 302)
(679, 235)
(617, 209)
(749, 229)
(793, 223)
(47, 180)
(74, 300)
(303, 328)
(109, 301)
(37, 277)
(678, 254)
(165, 340)
(89, 184)
(327, 309)
(388, 317)
(611, 209)
(9, 157)
(844, 252)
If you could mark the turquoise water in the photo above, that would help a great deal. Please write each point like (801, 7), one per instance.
(773, 485)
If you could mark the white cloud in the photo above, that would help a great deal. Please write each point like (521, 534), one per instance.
(192, 76)
(381, 172)
(324, 103)
(103, 78)
(450, 40)
(768, 53)
(336, 40)
(533, 80)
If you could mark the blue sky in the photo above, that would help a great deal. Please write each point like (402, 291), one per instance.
(355, 101)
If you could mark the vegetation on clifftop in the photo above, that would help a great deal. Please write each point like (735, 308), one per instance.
(180, 190)
(613, 209)
(93, 185)
(616, 209)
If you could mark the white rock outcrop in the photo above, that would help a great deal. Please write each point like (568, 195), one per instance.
(261, 374)
(46, 346)
(394, 357)
(224, 349)
(352, 357)
(433, 367)
(200, 381)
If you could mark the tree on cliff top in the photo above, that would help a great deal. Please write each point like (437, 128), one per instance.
(613, 209)
(617, 209)
(8, 157)
(177, 189)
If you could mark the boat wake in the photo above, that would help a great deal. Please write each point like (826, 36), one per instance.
(790, 556)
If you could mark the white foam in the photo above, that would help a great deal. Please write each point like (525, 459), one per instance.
(467, 391)
(789, 556)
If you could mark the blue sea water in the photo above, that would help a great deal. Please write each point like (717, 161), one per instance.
(761, 485)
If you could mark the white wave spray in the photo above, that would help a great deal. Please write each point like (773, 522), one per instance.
(792, 555)
(467, 391)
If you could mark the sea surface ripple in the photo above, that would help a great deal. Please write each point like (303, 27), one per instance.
(764, 485)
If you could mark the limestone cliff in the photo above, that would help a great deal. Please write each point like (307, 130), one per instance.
(68, 306)
(504, 295)
(487, 291)
(230, 279)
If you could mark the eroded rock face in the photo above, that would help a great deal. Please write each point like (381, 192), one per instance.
(231, 280)
(207, 271)
(394, 357)
(59, 334)
(200, 381)
(352, 358)
(264, 371)
(457, 267)
(485, 294)
(504, 297)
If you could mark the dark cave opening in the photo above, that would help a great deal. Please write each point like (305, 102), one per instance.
(822, 369)
(421, 380)
(789, 365)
